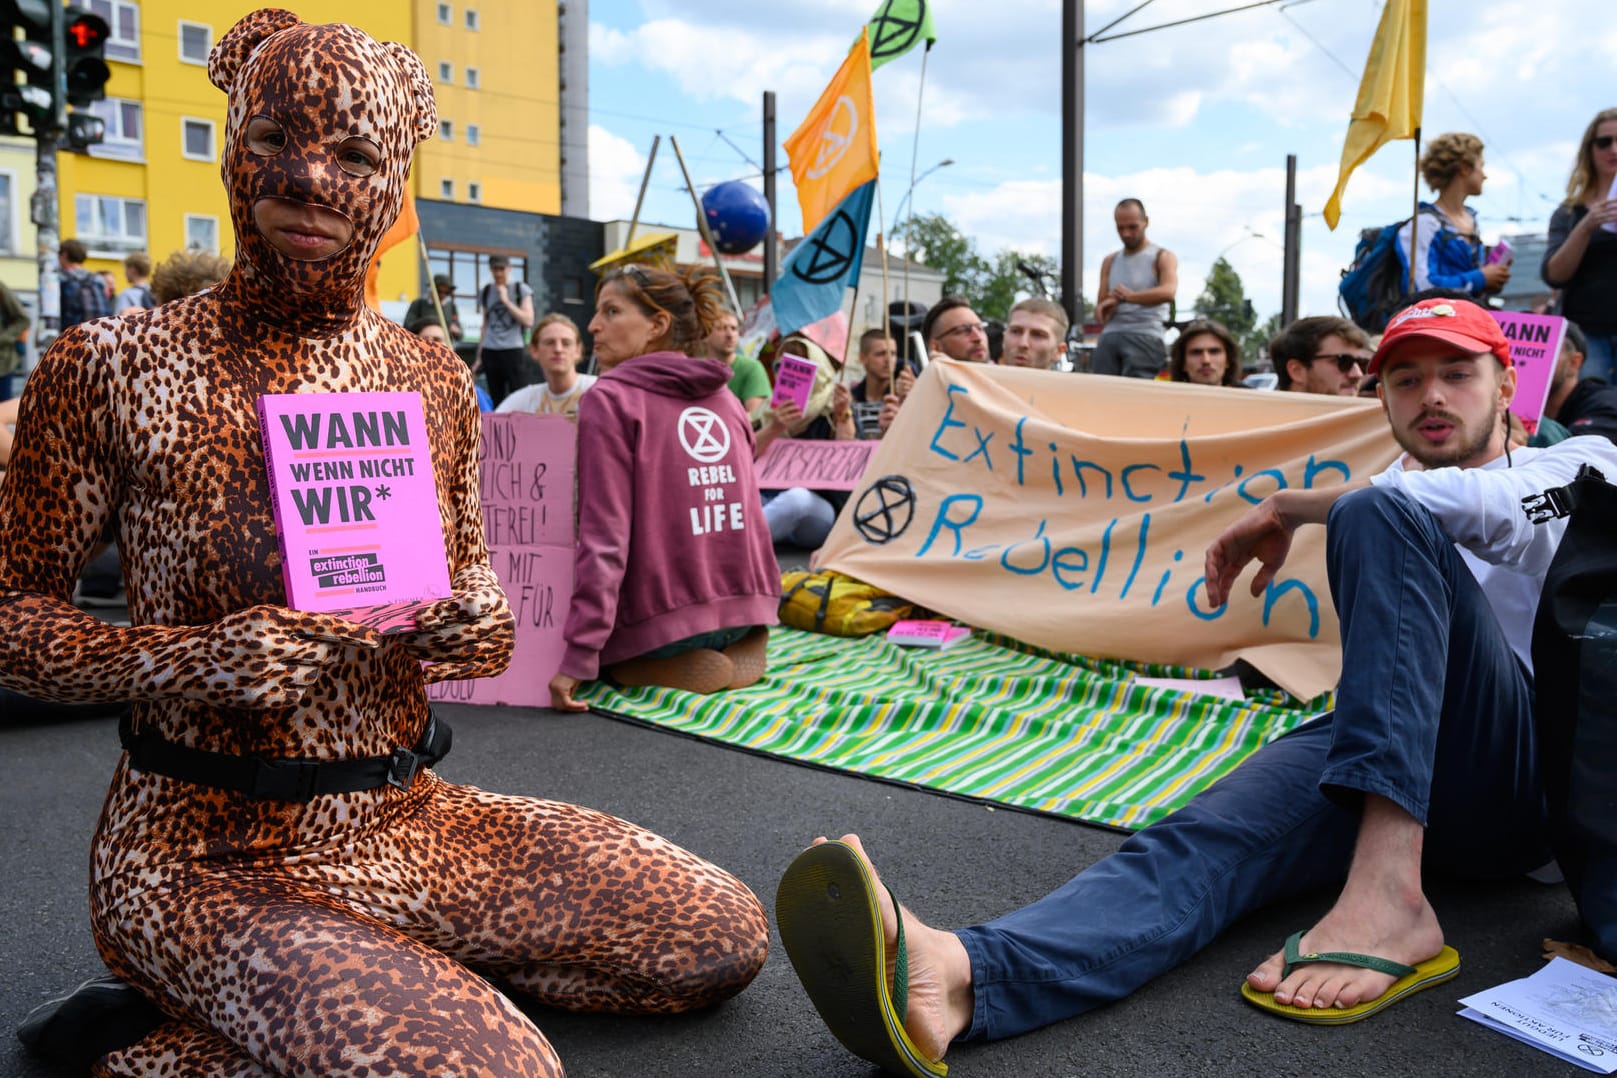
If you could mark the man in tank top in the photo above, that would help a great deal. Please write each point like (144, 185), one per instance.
(1136, 286)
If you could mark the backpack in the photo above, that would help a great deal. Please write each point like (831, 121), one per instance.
(1374, 285)
(1575, 685)
(83, 297)
(830, 602)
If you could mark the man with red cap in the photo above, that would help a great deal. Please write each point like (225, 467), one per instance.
(1435, 569)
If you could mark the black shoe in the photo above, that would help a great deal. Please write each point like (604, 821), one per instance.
(99, 1016)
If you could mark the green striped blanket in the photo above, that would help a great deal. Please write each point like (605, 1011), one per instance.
(989, 719)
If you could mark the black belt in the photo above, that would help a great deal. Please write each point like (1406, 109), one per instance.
(283, 779)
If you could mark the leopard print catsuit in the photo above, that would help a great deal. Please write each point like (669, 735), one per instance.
(349, 934)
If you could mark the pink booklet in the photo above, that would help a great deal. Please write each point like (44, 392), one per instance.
(794, 381)
(1535, 348)
(928, 633)
(356, 508)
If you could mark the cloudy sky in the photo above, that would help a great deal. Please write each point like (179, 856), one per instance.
(1195, 120)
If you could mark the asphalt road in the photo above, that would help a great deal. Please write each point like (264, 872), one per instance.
(953, 861)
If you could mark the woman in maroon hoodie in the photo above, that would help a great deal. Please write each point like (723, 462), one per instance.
(675, 575)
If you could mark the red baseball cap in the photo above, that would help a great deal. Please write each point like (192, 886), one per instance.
(1456, 322)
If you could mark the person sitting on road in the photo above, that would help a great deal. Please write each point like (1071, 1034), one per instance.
(1430, 753)
(277, 867)
(676, 580)
(1206, 354)
(799, 516)
(1321, 354)
(556, 348)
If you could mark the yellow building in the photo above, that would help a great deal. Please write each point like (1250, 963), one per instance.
(154, 183)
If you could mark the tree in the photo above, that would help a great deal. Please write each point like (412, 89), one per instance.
(992, 287)
(1223, 299)
(932, 241)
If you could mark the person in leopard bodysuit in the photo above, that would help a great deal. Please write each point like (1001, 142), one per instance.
(347, 933)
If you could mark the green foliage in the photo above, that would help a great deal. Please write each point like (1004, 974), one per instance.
(1223, 299)
(993, 286)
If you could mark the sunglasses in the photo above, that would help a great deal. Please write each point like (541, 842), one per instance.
(1345, 361)
(1603, 142)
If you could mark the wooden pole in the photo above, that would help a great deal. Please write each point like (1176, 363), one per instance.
(640, 199)
(915, 151)
(701, 224)
(1414, 219)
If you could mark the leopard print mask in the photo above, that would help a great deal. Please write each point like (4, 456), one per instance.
(320, 116)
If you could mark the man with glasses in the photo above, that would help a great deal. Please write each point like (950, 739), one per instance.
(952, 330)
(1136, 286)
(1321, 355)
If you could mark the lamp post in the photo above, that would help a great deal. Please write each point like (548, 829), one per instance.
(906, 199)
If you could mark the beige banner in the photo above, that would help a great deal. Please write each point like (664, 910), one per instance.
(1073, 512)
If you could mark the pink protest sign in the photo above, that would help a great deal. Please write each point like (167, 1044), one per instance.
(794, 380)
(527, 492)
(356, 508)
(817, 465)
(1535, 345)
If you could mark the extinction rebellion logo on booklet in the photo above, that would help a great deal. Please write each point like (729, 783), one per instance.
(354, 571)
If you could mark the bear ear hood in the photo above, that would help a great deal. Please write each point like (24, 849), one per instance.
(323, 86)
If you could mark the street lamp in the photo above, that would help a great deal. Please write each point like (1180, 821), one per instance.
(905, 200)
(1250, 235)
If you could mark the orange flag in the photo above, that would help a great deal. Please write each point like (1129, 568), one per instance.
(833, 151)
(407, 225)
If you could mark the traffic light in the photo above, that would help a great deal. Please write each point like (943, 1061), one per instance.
(25, 52)
(86, 69)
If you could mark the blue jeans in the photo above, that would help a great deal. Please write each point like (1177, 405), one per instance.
(1434, 712)
(1600, 358)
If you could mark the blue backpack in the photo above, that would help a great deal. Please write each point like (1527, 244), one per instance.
(1373, 287)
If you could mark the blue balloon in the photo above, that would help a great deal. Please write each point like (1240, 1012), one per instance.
(737, 216)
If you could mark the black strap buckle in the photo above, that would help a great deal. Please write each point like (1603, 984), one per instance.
(402, 766)
(281, 780)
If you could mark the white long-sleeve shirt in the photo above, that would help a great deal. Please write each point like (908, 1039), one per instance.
(1480, 509)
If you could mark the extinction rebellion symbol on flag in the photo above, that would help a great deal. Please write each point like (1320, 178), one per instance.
(826, 263)
(885, 510)
(892, 35)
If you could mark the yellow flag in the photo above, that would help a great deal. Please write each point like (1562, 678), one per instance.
(833, 151)
(1390, 94)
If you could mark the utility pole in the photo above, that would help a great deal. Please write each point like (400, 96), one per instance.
(771, 247)
(1072, 161)
(1291, 272)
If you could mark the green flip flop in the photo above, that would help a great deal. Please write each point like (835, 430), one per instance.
(830, 922)
(1441, 967)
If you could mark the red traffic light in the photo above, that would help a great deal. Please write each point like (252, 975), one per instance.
(86, 31)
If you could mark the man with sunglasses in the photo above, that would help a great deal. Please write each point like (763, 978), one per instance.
(1323, 354)
(952, 330)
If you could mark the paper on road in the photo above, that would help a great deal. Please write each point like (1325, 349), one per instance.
(1564, 1009)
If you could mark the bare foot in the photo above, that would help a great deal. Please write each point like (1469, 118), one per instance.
(941, 1000)
(1388, 922)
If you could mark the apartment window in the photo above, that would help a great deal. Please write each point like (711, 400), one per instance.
(197, 139)
(474, 135)
(8, 209)
(446, 130)
(202, 233)
(446, 188)
(125, 129)
(471, 18)
(474, 191)
(446, 15)
(110, 227)
(123, 28)
(446, 71)
(471, 78)
(196, 41)
(469, 270)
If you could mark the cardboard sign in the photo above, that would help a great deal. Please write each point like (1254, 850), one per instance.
(356, 508)
(817, 465)
(1535, 347)
(527, 493)
(1074, 513)
(794, 381)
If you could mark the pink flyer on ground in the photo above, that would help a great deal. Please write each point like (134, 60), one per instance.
(794, 380)
(356, 508)
(1535, 345)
